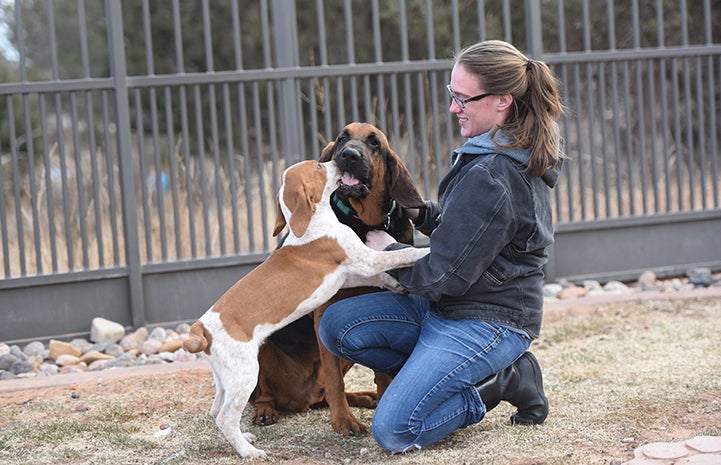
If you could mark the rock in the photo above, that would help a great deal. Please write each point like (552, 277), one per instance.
(98, 365)
(158, 334)
(647, 281)
(34, 348)
(616, 287)
(116, 350)
(66, 360)
(6, 375)
(572, 292)
(171, 346)
(101, 346)
(21, 366)
(81, 344)
(93, 356)
(549, 290)
(700, 277)
(183, 328)
(58, 348)
(125, 360)
(166, 356)
(7, 360)
(48, 369)
(151, 346)
(4, 348)
(105, 330)
(16, 351)
(183, 356)
(66, 370)
(134, 340)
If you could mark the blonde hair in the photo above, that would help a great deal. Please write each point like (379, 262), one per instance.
(531, 121)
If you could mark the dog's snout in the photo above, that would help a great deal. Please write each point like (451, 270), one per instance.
(350, 154)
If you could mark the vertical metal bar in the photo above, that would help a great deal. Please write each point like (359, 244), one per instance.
(4, 227)
(79, 179)
(700, 104)
(64, 182)
(230, 157)
(350, 48)
(651, 84)
(97, 203)
(534, 29)
(16, 181)
(144, 177)
(640, 104)
(200, 135)
(380, 119)
(173, 170)
(711, 80)
(286, 52)
(604, 149)
(678, 143)
(160, 184)
(31, 183)
(110, 176)
(507, 30)
(118, 72)
(48, 185)
(217, 167)
(629, 139)
(258, 124)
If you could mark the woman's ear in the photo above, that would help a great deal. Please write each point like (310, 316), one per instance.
(504, 102)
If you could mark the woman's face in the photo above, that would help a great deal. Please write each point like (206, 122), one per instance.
(479, 116)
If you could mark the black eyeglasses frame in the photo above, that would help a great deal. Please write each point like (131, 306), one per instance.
(463, 101)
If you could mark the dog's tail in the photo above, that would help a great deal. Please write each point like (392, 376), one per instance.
(199, 339)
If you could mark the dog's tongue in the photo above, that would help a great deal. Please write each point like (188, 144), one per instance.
(349, 180)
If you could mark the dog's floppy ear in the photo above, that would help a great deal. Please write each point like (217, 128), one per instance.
(327, 153)
(279, 219)
(400, 183)
(301, 196)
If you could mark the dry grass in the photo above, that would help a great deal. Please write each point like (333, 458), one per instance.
(624, 376)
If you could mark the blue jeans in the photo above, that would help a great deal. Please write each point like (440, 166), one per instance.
(435, 362)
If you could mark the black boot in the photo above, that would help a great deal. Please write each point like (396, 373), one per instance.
(521, 384)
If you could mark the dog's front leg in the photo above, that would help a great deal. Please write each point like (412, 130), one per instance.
(382, 280)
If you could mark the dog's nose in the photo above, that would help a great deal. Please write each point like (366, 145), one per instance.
(349, 155)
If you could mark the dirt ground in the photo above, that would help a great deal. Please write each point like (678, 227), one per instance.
(150, 400)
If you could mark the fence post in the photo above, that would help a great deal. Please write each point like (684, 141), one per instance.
(118, 72)
(534, 29)
(286, 55)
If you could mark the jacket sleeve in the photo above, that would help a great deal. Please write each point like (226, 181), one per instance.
(428, 218)
(476, 223)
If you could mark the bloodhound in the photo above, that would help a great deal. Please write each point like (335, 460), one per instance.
(296, 371)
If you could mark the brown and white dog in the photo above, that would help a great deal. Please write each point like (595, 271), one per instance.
(296, 371)
(319, 256)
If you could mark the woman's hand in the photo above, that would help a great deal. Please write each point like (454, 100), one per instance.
(378, 240)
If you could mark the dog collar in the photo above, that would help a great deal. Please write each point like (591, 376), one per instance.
(387, 222)
(344, 208)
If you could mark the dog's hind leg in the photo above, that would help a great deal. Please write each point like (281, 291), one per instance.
(237, 390)
(219, 395)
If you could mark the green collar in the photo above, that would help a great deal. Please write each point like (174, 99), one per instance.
(347, 210)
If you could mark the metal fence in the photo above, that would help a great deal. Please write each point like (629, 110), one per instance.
(141, 185)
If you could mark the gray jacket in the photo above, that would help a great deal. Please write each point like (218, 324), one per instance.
(488, 236)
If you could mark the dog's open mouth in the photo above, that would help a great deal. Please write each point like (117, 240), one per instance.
(352, 187)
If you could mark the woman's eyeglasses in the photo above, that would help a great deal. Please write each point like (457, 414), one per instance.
(462, 101)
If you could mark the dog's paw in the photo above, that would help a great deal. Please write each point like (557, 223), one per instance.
(390, 283)
(264, 416)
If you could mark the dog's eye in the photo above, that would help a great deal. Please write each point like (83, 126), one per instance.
(342, 139)
(373, 142)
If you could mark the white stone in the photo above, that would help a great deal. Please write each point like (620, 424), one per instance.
(105, 330)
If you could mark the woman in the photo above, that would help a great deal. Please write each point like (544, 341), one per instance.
(456, 344)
